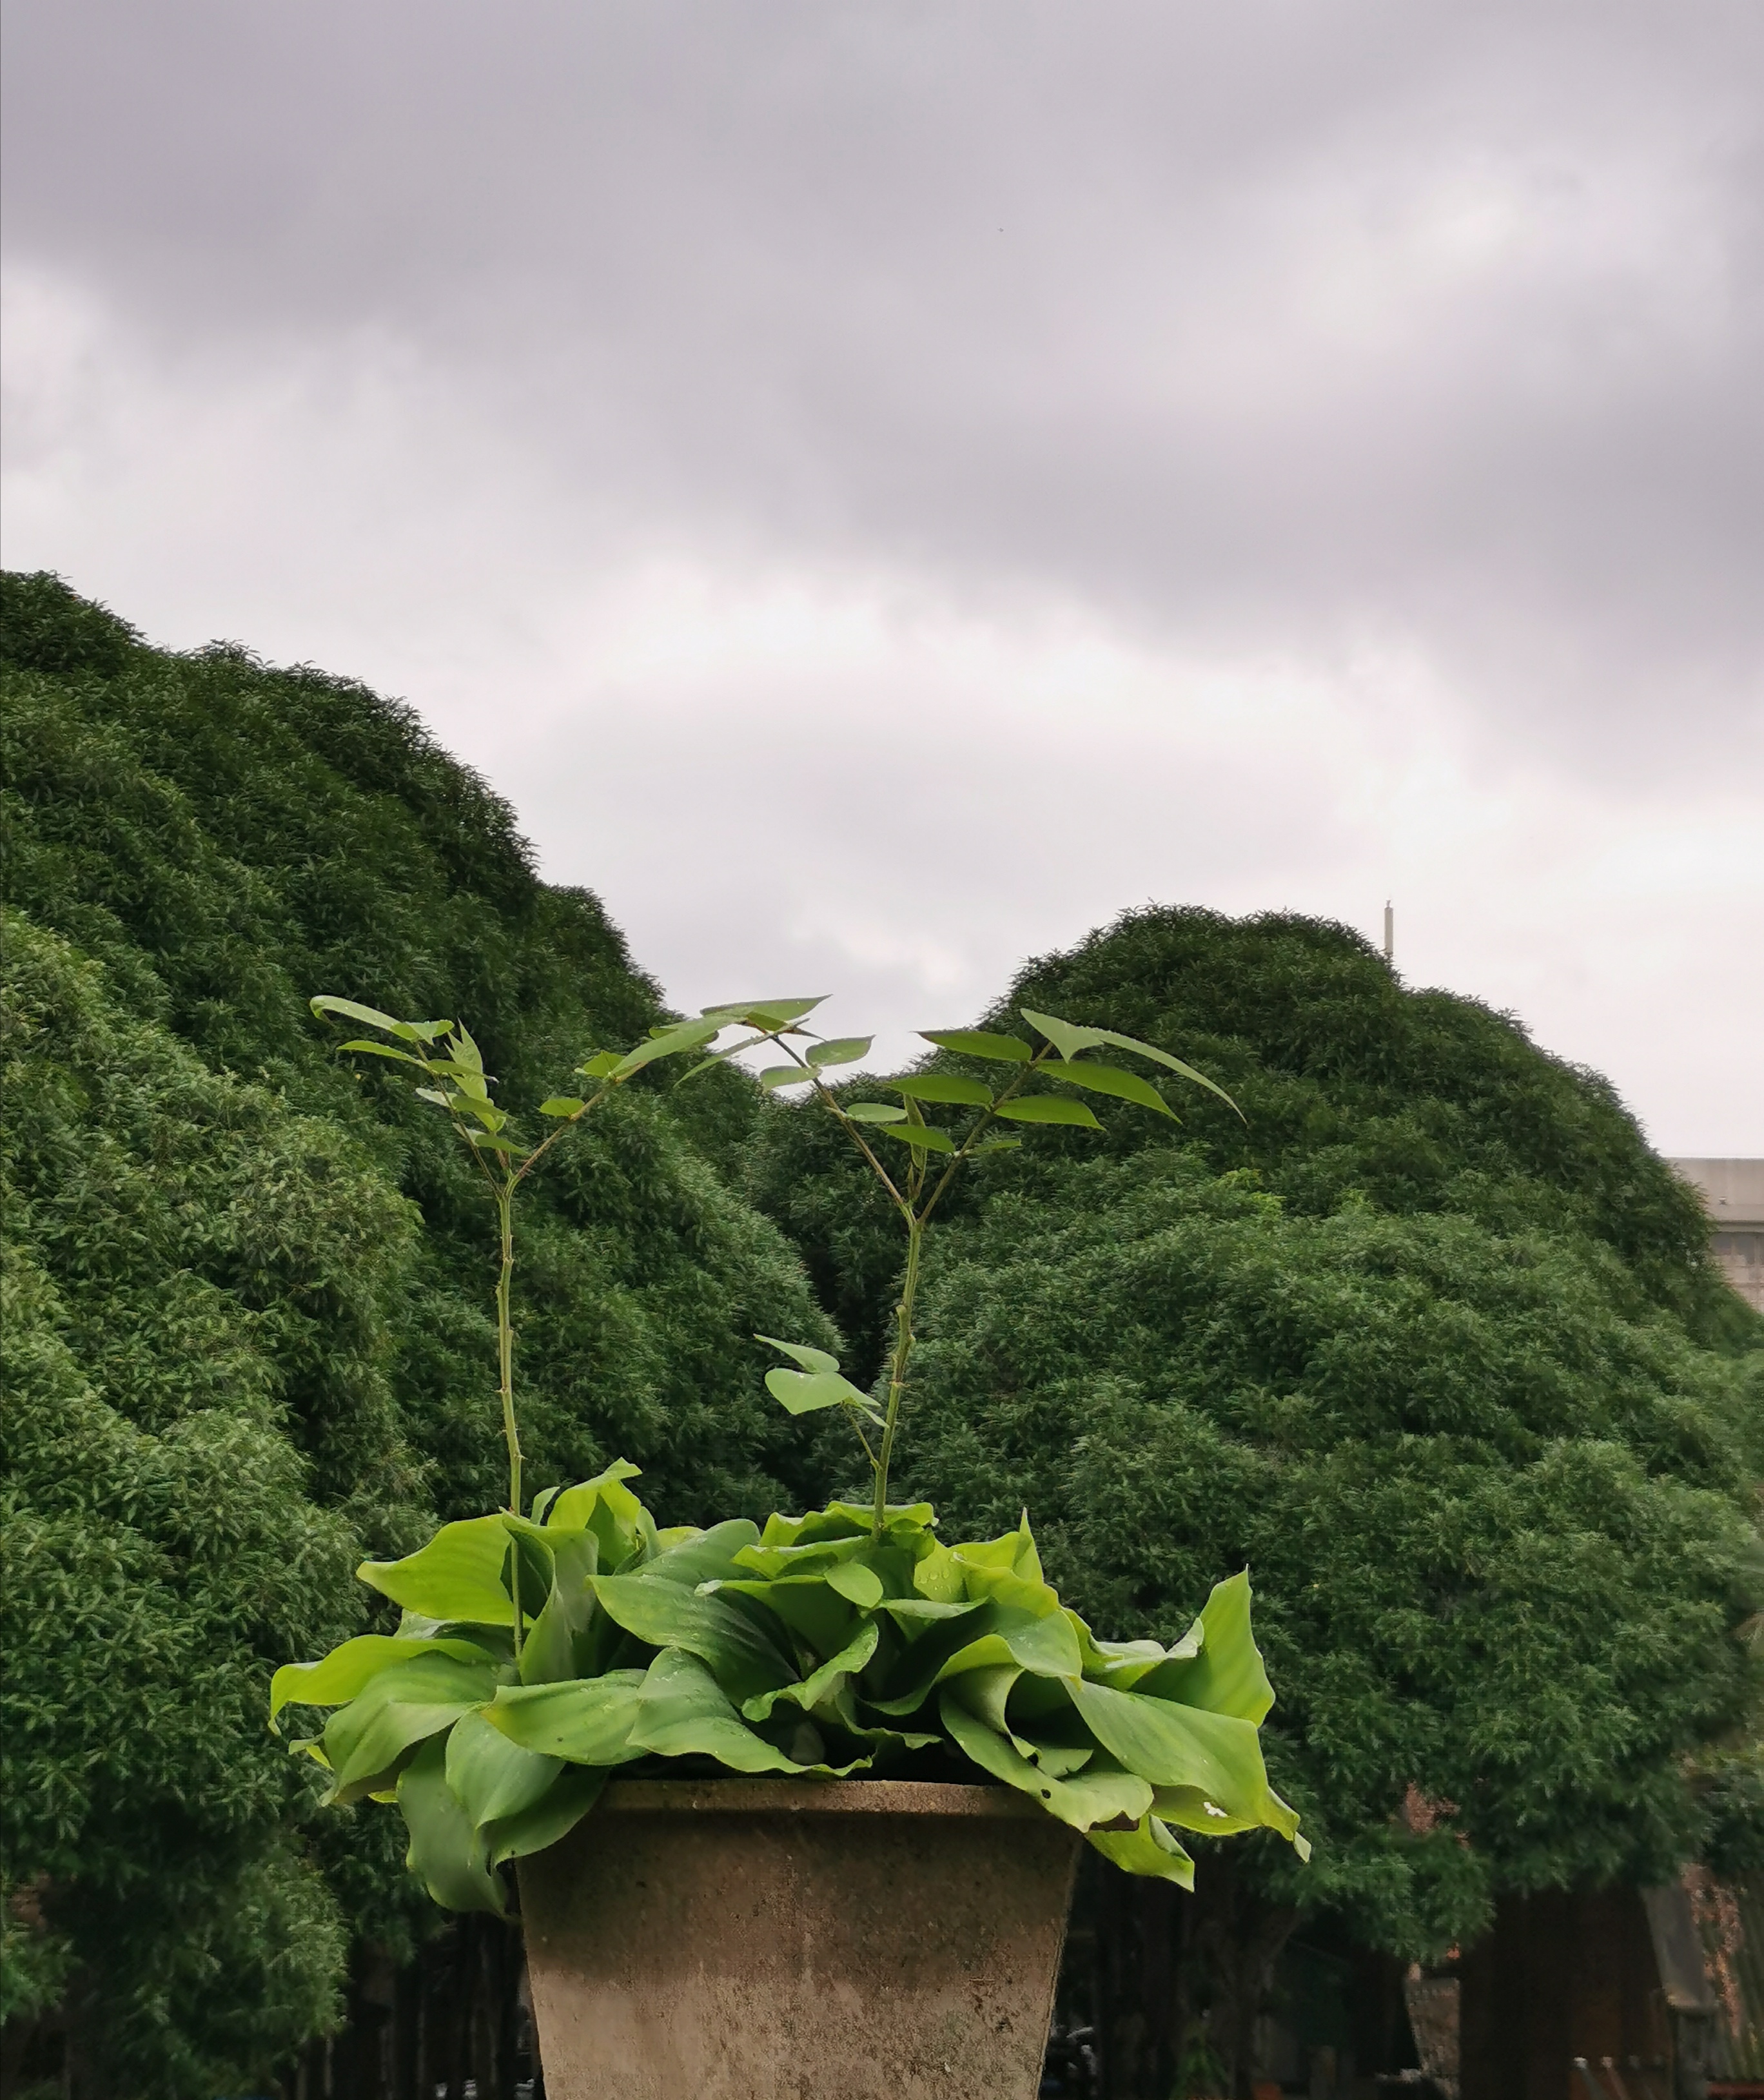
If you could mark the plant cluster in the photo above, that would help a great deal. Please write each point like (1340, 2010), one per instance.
(539, 1651)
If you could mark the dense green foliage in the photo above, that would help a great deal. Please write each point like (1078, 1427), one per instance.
(249, 1293)
(1422, 1341)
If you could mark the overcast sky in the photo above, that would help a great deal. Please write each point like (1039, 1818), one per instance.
(883, 486)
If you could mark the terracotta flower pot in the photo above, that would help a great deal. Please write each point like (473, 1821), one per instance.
(782, 1939)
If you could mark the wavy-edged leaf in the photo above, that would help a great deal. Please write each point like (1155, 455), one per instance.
(821, 1682)
(347, 1671)
(940, 1087)
(1048, 1108)
(1180, 1746)
(457, 1575)
(367, 1739)
(1083, 1804)
(587, 1722)
(1111, 1079)
(1147, 1848)
(979, 1043)
(684, 1712)
(445, 1854)
(703, 1556)
(572, 1793)
(492, 1776)
(1227, 1676)
(714, 1629)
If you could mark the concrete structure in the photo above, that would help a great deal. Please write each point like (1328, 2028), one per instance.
(789, 1939)
(1733, 1194)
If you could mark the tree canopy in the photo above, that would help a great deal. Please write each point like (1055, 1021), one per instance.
(1430, 1340)
(248, 1318)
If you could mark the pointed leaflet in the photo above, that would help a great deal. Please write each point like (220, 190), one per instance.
(876, 1112)
(920, 1135)
(802, 1392)
(445, 1853)
(587, 1721)
(684, 1035)
(1111, 1079)
(846, 1050)
(784, 1076)
(1069, 1041)
(977, 1042)
(1227, 1676)
(940, 1087)
(456, 1576)
(348, 1669)
(811, 1360)
(764, 1013)
(1048, 1108)
(349, 1009)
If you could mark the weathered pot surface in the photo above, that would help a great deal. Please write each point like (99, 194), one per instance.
(727, 1940)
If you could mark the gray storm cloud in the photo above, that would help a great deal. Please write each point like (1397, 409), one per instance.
(1275, 322)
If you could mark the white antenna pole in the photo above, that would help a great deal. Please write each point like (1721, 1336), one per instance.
(1390, 932)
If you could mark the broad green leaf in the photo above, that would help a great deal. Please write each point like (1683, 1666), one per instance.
(1111, 1079)
(977, 1042)
(802, 1392)
(704, 1556)
(844, 1050)
(573, 1506)
(983, 1692)
(784, 1076)
(1124, 1665)
(457, 1575)
(491, 1776)
(1189, 1809)
(909, 1681)
(876, 1112)
(684, 1035)
(815, 1615)
(432, 1094)
(938, 1576)
(601, 1065)
(1048, 1108)
(1180, 1746)
(488, 1141)
(347, 1670)
(366, 1739)
(714, 1629)
(444, 1854)
(820, 1684)
(920, 1135)
(800, 1352)
(560, 1645)
(1147, 1848)
(684, 1713)
(587, 1721)
(1083, 1804)
(940, 1087)
(572, 1793)
(562, 1106)
(1227, 1676)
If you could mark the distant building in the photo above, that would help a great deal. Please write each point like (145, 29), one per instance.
(1733, 1194)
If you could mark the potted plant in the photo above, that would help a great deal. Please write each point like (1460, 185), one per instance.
(794, 1809)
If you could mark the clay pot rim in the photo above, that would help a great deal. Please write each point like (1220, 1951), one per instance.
(799, 1796)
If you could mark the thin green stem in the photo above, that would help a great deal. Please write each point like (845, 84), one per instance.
(505, 1343)
(897, 1370)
